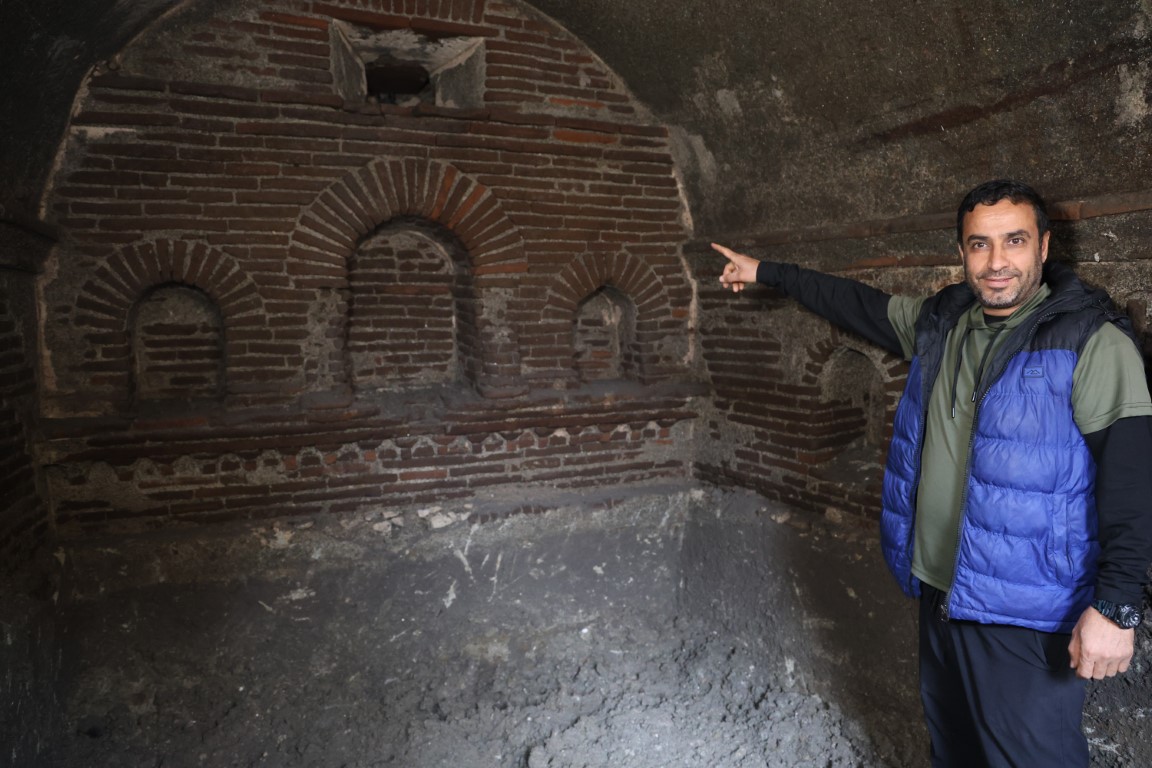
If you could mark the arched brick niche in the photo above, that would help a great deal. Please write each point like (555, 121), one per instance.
(243, 126)
(846, 393)
(604, 337)
(605, 316)
(802, 411)
(353, 224)
(411, 309)
(854, 384)
(177, 346)
(166, 320)
(857, 387)
(390, 188)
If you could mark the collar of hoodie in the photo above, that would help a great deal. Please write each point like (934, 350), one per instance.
(977, 320)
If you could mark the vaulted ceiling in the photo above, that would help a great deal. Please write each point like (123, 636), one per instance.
(784, 114)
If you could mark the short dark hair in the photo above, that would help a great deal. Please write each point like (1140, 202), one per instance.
(992, 192)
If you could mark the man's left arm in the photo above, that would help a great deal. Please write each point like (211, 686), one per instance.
(1099, 647)
(1111, 406)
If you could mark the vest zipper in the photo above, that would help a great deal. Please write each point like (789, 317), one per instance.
(983, 362)
(945, 612)
(956, 368)
(979, 369)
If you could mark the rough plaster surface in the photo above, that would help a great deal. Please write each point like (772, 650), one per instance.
(818, 112)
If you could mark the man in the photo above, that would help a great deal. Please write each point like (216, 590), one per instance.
(1017, 501)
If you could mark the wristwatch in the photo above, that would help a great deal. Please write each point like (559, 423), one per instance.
(1122, 615)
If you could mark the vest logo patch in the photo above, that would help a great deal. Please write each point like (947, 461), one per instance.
(1034, 372)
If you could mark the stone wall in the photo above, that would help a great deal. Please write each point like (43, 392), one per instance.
(24, 512)
(24, 521)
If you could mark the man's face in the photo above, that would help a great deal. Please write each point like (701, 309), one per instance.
(1003, 255)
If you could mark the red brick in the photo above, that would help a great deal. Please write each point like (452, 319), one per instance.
(292, 20)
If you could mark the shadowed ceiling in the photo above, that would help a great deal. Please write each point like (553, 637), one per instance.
(784, 115)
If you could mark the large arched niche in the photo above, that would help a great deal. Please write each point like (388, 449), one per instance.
(411, 310)
(434, 202)
(255, 158)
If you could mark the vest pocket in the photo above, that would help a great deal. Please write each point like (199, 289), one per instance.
(1074, 548)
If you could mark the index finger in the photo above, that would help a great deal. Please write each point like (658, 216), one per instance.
(728, 253)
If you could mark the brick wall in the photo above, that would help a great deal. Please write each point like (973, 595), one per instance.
(284, 287)
(23, 513)
(802, 412)
(402, 313)
(177, 346)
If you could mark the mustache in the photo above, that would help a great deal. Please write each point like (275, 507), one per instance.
(997, 274)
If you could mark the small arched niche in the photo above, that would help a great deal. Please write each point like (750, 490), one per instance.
(604, 337)
(853, 386)
(177, 345)
(411, 309)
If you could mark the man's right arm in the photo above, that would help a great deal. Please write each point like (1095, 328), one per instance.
(849, 304)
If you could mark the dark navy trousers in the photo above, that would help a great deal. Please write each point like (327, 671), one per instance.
(997, 696)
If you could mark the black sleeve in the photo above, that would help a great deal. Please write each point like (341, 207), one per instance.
(850, 304)
(1123, 507)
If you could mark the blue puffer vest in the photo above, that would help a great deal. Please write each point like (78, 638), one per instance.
(1028, 545)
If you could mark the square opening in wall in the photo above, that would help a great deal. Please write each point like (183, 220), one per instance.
(406, 67)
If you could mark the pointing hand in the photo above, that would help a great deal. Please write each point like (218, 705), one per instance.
(739, 271)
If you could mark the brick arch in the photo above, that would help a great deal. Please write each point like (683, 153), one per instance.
(826, 361)
(388, 188)
(354, 206)
(106, 301)
(626, 273)
(125, 277)
(891, 369)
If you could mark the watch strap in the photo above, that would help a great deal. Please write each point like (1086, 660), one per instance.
(1122, 615)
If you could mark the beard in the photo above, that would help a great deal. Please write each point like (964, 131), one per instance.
(1027, 283)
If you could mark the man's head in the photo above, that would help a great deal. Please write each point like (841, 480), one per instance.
(992, 192)
(1002, 233)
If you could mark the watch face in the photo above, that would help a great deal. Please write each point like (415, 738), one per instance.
(1124, 616)
(1128, 616)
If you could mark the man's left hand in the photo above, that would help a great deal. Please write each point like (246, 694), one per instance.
(1099, 648)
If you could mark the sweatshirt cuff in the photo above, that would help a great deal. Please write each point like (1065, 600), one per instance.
(768, 273)
(1119, 595)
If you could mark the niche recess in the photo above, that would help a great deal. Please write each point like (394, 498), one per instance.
(411, 309)
(407, 67)
(604, 337)
(177, 345)
(854, 388)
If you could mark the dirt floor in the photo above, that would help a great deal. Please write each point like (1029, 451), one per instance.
(335, 686)
(689, 628)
